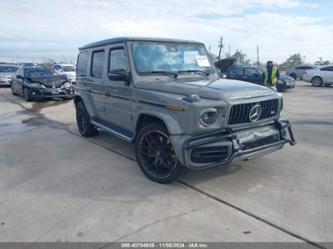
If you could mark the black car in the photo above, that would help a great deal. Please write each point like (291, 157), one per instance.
(39, 83)
(256, 75)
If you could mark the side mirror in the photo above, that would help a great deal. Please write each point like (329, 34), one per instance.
(119, 75)
(19, 77)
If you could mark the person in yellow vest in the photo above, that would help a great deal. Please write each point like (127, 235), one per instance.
(271, 75)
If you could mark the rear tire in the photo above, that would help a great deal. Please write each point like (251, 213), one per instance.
(86, 128)
(156, 155)
(317, 82)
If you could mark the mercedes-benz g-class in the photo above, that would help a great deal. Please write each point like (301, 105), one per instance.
(166, 96)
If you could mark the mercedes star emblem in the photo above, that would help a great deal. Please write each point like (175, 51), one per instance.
(255, 113)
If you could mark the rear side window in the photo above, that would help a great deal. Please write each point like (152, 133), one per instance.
(82, 64)
(8, 69)
(304, 67)
(250, 72)
(118, 59)
(327, 69)
(57, 67)
(236, 71)
(97, 64)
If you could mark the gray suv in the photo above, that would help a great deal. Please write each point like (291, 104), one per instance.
(166, 96)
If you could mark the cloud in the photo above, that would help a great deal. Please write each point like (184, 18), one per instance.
(68, 24)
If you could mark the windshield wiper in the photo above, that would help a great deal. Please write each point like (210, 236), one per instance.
(194, 71)
(171, 74)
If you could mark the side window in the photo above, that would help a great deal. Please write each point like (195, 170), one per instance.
(236, 71)
(20, 72)
(250, 72)
(326, 69)
(82, 64)
(57, 67)
(117, 59)
(97, 64)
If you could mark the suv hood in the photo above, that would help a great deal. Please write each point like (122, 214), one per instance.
(224, 89)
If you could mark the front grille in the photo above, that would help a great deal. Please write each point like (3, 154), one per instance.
(239, 114)
(260, 142)
(209, 154)
(54, 85)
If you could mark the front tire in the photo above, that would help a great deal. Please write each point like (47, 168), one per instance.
(156, 155)
(86, 128)
(13, 90)
(26, 94)
(317, 82)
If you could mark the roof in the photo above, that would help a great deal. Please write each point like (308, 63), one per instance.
(63, 64)
(127, 39)
(9, 65)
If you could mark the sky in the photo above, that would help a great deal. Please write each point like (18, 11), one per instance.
(32, 30)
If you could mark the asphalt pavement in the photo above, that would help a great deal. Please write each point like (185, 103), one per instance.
(58, 186)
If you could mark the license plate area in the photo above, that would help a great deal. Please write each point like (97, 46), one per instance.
(54, 91)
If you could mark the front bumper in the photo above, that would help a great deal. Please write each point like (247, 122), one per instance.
(5, 81)
(221, 148)
(286, 85)
(41, 93)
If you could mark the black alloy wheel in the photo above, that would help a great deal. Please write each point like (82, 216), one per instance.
(86, 128)
(156, 155)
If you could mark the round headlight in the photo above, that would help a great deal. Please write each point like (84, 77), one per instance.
(67, 85)
(208, 116)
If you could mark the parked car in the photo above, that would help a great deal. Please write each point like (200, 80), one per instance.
(166, 96)
(66, 69)
(28, 64)
(320, 76)
(6, 73)
(298, 71)
(256, 75)
(284, 83)
(38, 83)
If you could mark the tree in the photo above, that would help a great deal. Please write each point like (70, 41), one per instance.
(48, 63)
(322, 62)
(292, 61)
(239, 56)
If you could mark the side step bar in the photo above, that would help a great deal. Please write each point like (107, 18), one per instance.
(108, 129)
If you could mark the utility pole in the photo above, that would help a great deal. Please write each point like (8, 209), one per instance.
(258, 61)
(220, 48)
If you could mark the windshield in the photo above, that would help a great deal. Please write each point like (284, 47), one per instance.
(69, 68)
(38, 72)
(171, 57)
(8, 69)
